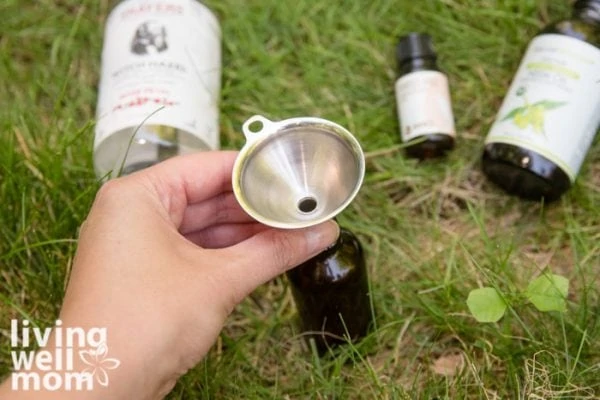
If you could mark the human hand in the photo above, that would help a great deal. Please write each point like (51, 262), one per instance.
(163, 258)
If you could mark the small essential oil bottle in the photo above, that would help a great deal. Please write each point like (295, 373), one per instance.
(423, 99)
(551, 112)
(331, 292)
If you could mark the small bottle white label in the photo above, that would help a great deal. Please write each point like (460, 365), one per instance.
(423, 101)
(161, 65)
(553, 104)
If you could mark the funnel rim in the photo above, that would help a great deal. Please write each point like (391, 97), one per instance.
(259, 139)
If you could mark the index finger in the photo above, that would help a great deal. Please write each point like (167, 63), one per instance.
(185, 180)
(198, 177)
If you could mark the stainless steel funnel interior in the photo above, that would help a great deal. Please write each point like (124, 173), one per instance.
(297, 172)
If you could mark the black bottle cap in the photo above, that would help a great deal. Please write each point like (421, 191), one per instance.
(415, 45)
(592, 7)
(584, 3)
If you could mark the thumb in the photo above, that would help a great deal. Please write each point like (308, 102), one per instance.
(272, 252)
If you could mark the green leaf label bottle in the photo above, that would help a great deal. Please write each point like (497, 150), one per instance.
(160, 81)
(423, 99)
(551, 112)
(331, 292)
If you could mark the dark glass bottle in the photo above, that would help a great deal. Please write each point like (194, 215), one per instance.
(423, 99)
(331, 293)
(548, 119)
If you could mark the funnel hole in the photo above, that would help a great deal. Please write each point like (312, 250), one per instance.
(307, 204)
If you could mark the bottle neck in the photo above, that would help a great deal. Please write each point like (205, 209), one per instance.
(335, 246)
(588, 11)
(418, 64)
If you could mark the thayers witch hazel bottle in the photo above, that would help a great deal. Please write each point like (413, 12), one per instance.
(423, 99)
(331, 292)
(551, 112)
(159, 85)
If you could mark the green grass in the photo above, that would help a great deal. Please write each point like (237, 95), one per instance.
(432, 231)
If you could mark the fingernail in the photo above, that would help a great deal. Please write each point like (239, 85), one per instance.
(320, 237)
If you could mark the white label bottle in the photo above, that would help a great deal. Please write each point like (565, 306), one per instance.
(423, 99)
(551, 112)
(159, 85)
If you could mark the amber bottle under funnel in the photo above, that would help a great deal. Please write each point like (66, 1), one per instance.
(300, 172)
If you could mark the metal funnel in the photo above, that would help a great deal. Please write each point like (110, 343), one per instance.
(297, 172)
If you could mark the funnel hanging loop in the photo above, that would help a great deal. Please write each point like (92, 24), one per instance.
(257, 120)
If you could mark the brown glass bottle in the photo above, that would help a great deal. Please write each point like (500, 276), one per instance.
(526, 157)
(423, 99)
(331, 293)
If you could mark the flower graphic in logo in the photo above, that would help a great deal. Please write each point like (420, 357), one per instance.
(98, 363)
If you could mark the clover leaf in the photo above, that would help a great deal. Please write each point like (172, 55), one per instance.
(548, 292)
(486, 304)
